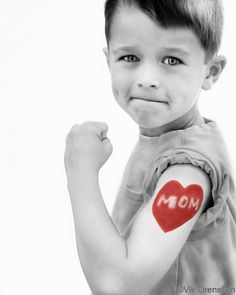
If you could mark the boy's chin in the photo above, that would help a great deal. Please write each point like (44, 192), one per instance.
(148, 124)
(152, 129)
(155, 128)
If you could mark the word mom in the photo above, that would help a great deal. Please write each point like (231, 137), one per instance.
(183, 202)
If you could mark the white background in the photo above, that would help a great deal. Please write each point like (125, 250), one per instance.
(52, 75)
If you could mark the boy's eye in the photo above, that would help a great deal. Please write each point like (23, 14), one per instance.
(172, 61)
(129, 58)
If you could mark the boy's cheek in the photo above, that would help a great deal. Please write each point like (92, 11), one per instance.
(122, 80)
(182, 86)
(116, 87)
(115, 92)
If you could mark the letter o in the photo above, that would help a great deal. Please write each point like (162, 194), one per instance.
(183, 202)
(201, 289)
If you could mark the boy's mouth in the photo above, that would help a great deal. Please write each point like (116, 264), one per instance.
(157, 100)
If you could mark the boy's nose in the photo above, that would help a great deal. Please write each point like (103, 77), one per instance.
(147, 85)
(148, 78)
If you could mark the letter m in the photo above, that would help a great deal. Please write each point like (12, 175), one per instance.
(194, 204)
(171, 201)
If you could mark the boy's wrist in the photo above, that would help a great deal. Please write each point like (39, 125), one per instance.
(82, 173)
(81, 176)
(82, 184)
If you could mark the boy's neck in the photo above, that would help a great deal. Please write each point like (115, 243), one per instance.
(191, 118)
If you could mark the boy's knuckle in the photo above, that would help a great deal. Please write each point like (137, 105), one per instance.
(88, 123)
(74, 128)
(105, 125)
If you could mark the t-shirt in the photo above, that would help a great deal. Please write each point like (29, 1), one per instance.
(207, 262)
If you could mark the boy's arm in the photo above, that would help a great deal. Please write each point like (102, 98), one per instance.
(124, 209)
(162, 227)
(111, 264)
(99, 244)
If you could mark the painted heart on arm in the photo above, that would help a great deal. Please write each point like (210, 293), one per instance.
(174, 205)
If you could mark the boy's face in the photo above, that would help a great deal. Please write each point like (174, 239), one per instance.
(157, 74)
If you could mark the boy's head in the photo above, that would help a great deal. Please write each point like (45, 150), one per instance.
(203, 17)
(161, 53)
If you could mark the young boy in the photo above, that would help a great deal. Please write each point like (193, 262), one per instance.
(173, 227)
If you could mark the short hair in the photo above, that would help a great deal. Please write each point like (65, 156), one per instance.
(203, 17)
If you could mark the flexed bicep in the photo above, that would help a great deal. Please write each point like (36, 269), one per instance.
(162, 227)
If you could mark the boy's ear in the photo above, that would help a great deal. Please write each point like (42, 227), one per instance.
(215, 67)
(105, 51)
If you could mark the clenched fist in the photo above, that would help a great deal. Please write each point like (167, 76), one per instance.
(87, 147)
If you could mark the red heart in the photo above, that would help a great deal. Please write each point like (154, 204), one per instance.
(174, 205)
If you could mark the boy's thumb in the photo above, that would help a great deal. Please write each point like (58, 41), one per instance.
(103, 130)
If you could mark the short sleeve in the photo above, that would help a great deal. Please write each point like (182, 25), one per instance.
(210, 220)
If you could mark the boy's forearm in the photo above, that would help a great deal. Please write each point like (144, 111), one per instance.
(100, 247)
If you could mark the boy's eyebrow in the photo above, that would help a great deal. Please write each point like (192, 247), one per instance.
(124, 48)
(179, 50)
(173, 50)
